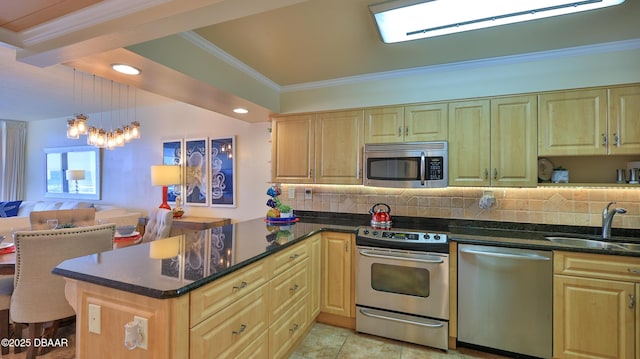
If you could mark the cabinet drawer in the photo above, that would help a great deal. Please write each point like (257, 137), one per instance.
(597, 266)
(288, 329)
(287, 258)
(230, 331)
(211, 298)
(258, 349)
(288, 288)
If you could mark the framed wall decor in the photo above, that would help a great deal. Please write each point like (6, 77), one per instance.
(222, 180)
(172, 154)
(196, 184)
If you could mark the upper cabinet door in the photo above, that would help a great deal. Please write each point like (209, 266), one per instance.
(573, 123)
(338, 148)
(624, 120)
(293, 149)
(384, 125)
(514, 135)
(426, 123)
(469, 143)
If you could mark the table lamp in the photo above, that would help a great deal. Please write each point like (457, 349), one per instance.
(165, 175)
(75, 175)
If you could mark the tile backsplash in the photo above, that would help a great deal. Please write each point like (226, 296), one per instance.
(543, 205)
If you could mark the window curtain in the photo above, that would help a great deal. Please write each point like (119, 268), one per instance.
(13, 140)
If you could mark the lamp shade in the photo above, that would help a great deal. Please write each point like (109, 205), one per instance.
(165, 175)
(75, 175)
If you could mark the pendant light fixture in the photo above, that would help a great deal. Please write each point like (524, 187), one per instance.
(117, 135)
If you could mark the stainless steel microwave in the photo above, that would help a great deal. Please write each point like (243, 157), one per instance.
(406, 165)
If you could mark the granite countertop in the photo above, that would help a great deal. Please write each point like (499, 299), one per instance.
(207, 255)
(204, 256)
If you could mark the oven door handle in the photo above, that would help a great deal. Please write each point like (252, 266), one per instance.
(412, 258)
(424, 324)
(506, 255)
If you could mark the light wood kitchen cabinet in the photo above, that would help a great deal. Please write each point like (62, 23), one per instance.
(624, 120)
(315, 266)
(318, 148)
(293, 153)
(338, 148)
(337, 277)
(493, 142)
(573, 123)
(595, 311)
(416, 123)
(227, 333)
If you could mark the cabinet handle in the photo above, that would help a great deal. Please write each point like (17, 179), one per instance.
(294, 288)
(406, 131)
(604, 139)
(616, 139)
(294, 328)
(242, 285)
(294, 256)
(495, 173)
(346, 247)
(240, 331)
(399, 131)
(486, 173)
(634, 271)
(632, 301)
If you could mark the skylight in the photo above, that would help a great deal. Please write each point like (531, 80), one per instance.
(403, 20)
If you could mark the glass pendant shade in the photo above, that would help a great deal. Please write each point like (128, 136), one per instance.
(81, 124)
(135, 130)
(72, 129)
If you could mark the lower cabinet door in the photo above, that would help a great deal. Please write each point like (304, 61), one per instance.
(593, 318)
(285, 331)
(233, 329)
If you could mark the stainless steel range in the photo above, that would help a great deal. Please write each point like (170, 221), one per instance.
(402, 285)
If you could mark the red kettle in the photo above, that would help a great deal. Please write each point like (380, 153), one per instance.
(380, 218)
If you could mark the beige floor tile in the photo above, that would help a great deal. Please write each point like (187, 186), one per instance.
(366, 347)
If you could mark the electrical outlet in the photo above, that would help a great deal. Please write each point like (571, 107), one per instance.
(144, 327)
(292, 193)
(94, 318)
(307, 193)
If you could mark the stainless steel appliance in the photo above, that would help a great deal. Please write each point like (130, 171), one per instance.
(402, 285)
(505, 299)
(406, 165)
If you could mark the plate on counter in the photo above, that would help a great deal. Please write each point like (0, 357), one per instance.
(545, 168)
(281, 220)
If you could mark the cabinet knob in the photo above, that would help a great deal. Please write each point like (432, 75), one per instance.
(495, 173)
(604, 139)
(486, 173)
(616, 139)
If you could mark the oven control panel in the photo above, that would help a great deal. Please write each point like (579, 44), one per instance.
(401, 235)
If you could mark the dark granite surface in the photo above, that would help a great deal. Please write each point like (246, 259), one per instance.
(203, 257)
(210, 254)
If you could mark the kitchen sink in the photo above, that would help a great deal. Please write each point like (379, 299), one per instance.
(595, 244)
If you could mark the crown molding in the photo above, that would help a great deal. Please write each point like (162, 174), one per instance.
(207, 46)
(91, 16)
(615, 46)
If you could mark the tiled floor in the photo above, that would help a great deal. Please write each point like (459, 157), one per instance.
(324, 342)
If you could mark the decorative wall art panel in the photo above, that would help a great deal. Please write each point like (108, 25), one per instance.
(196, 184)
(172, 151)
(222, 164)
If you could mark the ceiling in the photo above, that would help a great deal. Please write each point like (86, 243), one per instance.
(284, 43)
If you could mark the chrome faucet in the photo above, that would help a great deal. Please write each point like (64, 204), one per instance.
(607, 218)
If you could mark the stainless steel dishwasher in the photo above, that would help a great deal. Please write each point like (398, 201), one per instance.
(505, 299)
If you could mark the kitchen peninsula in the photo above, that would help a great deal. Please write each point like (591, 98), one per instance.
(267, 284)
(249, 289)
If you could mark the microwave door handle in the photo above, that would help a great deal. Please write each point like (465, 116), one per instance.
(422, 168)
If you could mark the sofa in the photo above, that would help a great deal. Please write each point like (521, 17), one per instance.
(104, 214)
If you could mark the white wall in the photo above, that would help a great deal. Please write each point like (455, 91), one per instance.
(125, 170)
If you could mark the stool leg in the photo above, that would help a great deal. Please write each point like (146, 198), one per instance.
(4, 329)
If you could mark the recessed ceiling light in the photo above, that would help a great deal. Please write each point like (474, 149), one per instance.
(125, 69)
(240, 110)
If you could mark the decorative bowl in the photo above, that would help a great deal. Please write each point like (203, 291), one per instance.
(125, 230)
